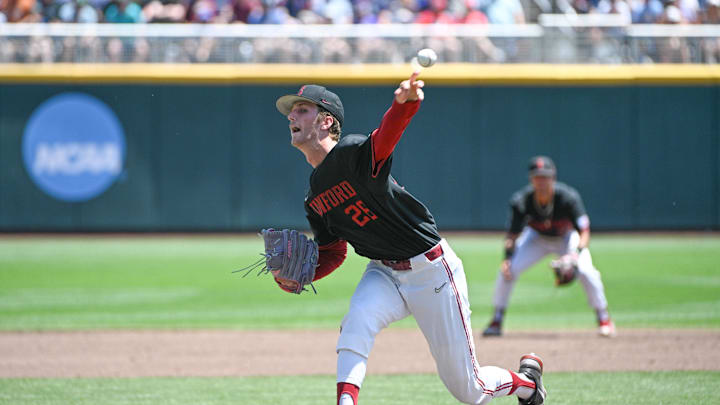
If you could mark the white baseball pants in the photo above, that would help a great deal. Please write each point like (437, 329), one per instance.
(435, 293)
(530, 247)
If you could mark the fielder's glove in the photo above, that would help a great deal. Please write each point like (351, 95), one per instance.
(291, 258)
(565, 269)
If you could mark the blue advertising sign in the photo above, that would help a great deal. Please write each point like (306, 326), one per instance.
(73, 147)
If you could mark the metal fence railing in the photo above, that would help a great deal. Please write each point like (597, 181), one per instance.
(555, 39)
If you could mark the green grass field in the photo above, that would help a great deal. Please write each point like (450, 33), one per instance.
(102, 282)
(99, 282)
(567, 389)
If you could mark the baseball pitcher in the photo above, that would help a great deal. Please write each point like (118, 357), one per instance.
(354, 199)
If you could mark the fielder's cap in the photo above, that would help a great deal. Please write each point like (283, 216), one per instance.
(315, 94)
(542, 166)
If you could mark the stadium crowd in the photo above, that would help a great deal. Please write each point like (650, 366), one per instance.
(350, 11)
(601, 45)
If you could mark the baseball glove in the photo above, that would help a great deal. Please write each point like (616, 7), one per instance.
(291, 258)
(565, 269)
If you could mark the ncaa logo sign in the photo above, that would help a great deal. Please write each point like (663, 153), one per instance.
(73, 147)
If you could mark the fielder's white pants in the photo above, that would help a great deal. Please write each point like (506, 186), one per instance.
(530, 247)
(435, 293)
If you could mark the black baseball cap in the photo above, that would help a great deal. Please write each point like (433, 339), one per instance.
(315, 94)
(542, 166)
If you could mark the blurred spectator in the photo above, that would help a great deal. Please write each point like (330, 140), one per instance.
(576, 7)
(309, 17)
(404, 11)
(672, 49)
(115, 49)
(275, 12)
(339, 11)
(436, 12)
(646, 11)
(711, 46)
(201, 11)
(335, 50)
(481, 48)
(285, 50)
(244, 9)
(365, 12)
(200, 50)
(671, 15)
(506, 12)
(374, 49)
(49, 10)
(448, 48)
(615, 7)
(78, 11)
(474, 14)
(296, 6)
(40, 50)
(124, 11)
(690, 10)
(19, 11)
(156, 11)
(711, 14)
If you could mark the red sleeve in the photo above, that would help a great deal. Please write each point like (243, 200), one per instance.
(330, 257)
(394, 122)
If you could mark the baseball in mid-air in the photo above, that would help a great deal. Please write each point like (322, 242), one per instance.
(426, 57)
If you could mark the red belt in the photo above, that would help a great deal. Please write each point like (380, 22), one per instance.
(401, 265)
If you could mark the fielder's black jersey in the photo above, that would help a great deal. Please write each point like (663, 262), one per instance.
(564, 213)
(369, 210)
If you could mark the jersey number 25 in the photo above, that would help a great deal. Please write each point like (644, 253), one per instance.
(360, 213)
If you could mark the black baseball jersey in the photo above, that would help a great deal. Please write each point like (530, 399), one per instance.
(564, 213)
(369, 210)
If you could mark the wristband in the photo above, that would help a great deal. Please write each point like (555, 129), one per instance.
(509, 252)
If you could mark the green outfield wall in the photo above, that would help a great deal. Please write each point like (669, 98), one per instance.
(209, 152)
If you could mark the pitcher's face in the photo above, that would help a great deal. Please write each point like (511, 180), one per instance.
(304, 123)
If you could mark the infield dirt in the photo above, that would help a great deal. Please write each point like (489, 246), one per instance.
(302, 352)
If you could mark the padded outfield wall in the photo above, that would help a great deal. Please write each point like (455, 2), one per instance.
(204, 149)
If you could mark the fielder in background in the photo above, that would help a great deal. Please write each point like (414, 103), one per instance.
(412, 271)
(547, 217)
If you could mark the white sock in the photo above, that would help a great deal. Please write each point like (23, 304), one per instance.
(524, 392)
(346, 399)
(351, 367)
